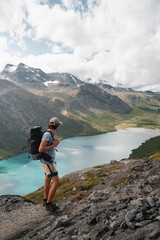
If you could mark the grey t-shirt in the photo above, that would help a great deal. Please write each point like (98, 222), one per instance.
(47, 137)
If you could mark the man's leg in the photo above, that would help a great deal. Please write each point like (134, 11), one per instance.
(53, 189)
(46, 186)
(51, 174)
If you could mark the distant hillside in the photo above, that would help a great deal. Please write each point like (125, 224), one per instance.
(94, 97)
(146, 149)
(145, 109)
(19, 110)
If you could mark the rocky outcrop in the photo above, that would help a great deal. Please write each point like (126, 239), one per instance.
(125, 204)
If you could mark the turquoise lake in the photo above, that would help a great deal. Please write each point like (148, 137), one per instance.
(21, 175)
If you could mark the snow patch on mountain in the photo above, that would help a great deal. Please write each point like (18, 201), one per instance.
(47, 83)
(73, 78)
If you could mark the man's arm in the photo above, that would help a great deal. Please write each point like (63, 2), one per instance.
(43, 145)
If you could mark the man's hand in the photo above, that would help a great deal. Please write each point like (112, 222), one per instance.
(43, 145)
(56, 142)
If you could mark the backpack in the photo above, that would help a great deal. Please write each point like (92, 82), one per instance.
(34, 141)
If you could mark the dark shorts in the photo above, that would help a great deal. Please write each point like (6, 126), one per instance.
(50, 169)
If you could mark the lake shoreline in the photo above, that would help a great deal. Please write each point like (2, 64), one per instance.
(61, 139)
(73, 154)
(117, 127)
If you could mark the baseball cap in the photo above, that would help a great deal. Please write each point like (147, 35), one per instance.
(55, 120)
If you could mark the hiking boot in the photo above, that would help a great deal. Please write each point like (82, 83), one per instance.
(51, 207)
(44, 202)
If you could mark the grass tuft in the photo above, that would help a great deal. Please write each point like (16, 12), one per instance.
(99, 166)
(79, 197)
(154, 157)
(109, 169)
(119, 181)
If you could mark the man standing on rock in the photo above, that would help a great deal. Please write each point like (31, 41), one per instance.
(48, 145)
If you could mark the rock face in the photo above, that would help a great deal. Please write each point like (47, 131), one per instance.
(113, 209)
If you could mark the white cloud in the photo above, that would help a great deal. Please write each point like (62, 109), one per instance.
(13, 21)
(113, 39)
(3, 44)
(72, 4)
(68, 3)
(56, 49)
(59, 26)
(12, 15)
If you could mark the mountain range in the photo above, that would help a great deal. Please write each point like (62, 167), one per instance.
(29, 96)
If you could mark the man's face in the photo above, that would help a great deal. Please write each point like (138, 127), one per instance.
(57, 128)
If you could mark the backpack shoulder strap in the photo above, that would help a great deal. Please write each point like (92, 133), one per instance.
(51, 134)
(52, 137)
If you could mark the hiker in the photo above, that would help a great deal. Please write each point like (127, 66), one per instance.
(48, 145)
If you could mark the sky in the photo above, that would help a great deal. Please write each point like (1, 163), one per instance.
(113, 40)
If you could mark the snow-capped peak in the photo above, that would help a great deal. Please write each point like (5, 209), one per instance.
(10, 68)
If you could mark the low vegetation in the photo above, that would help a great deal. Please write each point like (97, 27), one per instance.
(79, 196)
(154, 157)
(68, 188)
(78, 189)
(109, 169)
(146, 149)
(119, 181)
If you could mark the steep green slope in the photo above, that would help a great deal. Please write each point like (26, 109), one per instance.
(146, 149)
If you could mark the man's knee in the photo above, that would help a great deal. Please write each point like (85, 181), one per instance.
(56, 181)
